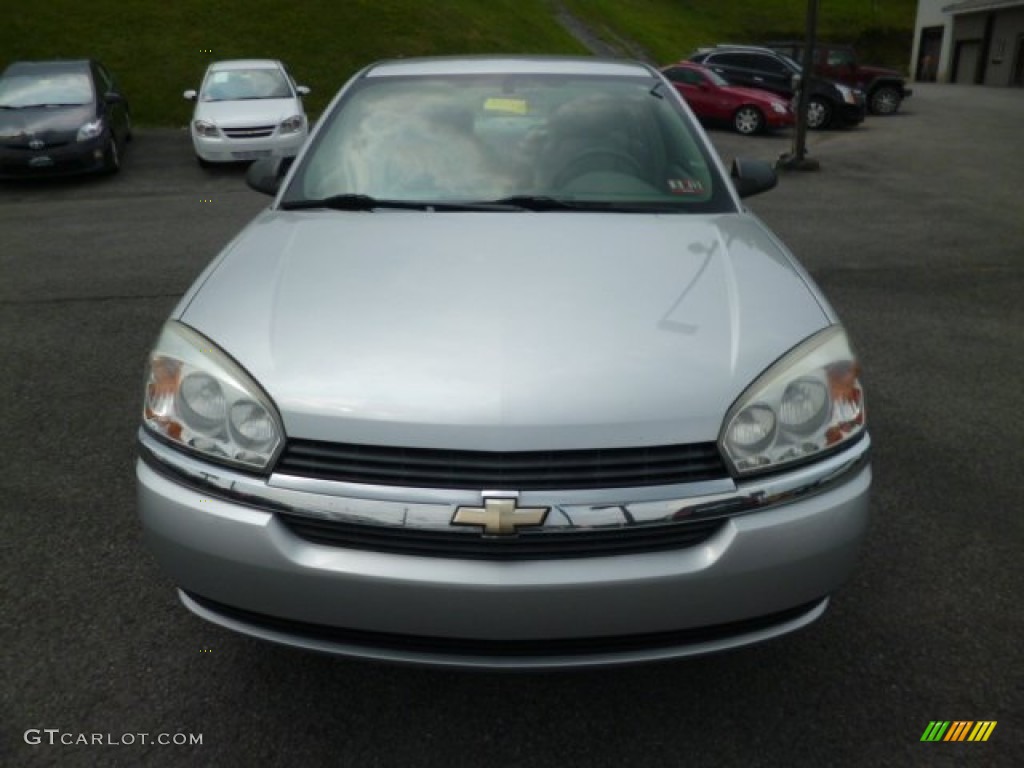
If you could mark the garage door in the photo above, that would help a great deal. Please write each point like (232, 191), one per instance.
(968, 52)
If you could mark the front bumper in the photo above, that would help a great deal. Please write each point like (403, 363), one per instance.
(763, 572)
(221, 149)
(74, 157)
(777, 120)
(851, 114)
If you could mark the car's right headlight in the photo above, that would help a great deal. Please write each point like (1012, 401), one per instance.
(808, 403)
(205, 128)
(201, 400)
(292, 125)
(90, 130)
(847, 93)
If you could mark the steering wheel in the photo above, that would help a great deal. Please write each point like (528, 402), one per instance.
(595, 160)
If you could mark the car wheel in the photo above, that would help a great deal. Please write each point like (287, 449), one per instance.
(113, 156)
(819, 113)
(885, 100)
(748, 120)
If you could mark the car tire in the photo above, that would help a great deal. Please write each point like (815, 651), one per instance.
(112, 155)
(884, 100)
(748, 120)
(819, 113)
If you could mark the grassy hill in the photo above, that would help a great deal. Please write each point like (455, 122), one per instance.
(671, 29)
(160, 49)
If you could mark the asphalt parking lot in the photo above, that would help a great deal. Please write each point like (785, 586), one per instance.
(914, 227)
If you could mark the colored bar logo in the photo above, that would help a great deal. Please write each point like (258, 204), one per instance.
(958, 730)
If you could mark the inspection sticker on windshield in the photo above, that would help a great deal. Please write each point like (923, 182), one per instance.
(513, 106)
(685, 187)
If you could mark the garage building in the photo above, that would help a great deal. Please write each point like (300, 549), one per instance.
(971, 42)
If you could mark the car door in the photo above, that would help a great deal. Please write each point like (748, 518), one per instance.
(771, 74)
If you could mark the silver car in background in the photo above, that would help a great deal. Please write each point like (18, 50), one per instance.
(505, 376)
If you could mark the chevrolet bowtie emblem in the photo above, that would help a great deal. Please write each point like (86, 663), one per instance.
(500, 517)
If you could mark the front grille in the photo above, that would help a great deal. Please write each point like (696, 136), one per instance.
(529, 545)
(475, 647)
(494, 470)
(255, 132)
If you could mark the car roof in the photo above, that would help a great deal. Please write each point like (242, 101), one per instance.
(52, 65)
(219, 66)
(738, 47)
(487, 65)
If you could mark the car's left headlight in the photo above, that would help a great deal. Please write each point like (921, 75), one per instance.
(848, 95)
(202, 401)
(90, 130)
(779, 107)
(809, 402)
(292, 124)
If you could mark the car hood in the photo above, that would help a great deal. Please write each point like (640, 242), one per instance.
(869, 72)
(504, 331)
(247, 112)
(50, 124)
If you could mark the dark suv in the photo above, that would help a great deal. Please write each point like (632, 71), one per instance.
(828, 103)
(885, 88)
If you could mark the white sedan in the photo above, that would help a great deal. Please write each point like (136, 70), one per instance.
(247, 109)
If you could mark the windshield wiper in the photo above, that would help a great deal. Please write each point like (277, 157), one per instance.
(537, 203)
(36, 106)
(545, 203)
(354, 202)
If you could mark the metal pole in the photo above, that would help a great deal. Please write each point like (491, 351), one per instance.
(797, 159)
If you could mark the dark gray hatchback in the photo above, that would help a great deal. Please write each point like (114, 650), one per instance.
(61, 117)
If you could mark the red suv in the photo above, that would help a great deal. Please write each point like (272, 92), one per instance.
(885, 88)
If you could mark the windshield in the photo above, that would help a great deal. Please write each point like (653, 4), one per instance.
(514, 138)
(714, 77)
(245, 84)
(50, 89)
(792, 64)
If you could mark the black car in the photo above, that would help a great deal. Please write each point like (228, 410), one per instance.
(61, 117)
(828, 104)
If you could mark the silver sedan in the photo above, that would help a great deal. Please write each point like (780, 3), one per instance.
(505, 376)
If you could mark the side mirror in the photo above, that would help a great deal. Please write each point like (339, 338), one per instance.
(751, 177)
(303, 90)
(190, 95)
(113, 97)
(266, 174)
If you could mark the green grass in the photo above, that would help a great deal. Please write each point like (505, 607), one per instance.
(159, 49)
(672, 29)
